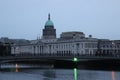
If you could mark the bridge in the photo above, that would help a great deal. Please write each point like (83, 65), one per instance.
(55, 57)
(112, 62)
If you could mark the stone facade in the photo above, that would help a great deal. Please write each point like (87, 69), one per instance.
(58, 46)
(109, 47)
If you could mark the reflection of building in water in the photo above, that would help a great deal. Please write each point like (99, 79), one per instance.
(49, 73)
(73, 42)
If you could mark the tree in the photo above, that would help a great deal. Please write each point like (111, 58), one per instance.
(5, 49)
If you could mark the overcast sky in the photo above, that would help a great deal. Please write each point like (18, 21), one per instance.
(26, 18)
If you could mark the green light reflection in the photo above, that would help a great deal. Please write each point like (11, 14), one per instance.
(75, 73)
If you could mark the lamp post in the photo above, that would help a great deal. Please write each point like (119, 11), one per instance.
(75, 67)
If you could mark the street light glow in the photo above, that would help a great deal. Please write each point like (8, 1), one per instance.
(75, 59)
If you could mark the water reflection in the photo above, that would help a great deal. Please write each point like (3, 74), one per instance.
(75, 74)
(16, 67)
(113, 75)
(49, 74)
(55, 74)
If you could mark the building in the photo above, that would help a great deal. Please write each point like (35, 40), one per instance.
(5, 45)
(108, 47)
(69, 43)
(49, 32)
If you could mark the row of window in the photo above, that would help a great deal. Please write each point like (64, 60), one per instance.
(110, 46)
(73, 45)
(91, 45)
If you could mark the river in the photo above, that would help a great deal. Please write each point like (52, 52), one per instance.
(25, 72)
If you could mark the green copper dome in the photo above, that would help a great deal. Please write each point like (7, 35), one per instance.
(49, 22)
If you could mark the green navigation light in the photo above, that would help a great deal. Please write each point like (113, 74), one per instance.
(75, 74)
(75, 59)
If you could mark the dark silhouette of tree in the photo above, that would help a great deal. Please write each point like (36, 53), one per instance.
(5, 49)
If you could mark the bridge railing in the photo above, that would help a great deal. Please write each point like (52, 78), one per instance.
(65, 54)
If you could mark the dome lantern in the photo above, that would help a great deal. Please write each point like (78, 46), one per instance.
(49, 22)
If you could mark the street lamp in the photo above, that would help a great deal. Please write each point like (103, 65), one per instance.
(75, 59)
(75, 69)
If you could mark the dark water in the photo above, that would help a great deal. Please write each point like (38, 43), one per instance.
(18, 72)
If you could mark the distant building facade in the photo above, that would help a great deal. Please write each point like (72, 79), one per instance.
(108, 47)
(69, 43)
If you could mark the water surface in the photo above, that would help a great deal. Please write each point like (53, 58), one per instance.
(14, 73)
